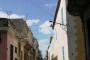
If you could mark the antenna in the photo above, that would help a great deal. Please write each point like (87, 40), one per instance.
(8, 13)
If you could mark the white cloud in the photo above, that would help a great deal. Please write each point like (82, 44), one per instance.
(43, 45)
(45, 28)
(12, 16)
(50, 5)
(16, 16)
(32, 22)
(3, 15)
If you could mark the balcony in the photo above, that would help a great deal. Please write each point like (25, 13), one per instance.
(76, 7)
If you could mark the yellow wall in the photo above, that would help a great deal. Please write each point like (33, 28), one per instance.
(80, 40)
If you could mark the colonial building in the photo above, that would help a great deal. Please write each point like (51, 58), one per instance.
(29, 49)
(68, 39)
(28, 44)
(17, 41)
(36, 48)
(22, 29)
(8, 40)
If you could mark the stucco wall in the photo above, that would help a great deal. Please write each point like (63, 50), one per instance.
(75, 38)
(51, 49)
(3, 46)
(61, 32)
(71, 30)
(12, 41)
(80, 40)
(70, 36)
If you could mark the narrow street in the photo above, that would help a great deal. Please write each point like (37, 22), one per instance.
(45, 30)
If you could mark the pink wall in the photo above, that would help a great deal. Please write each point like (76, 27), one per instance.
(3, 46)
(10, 38)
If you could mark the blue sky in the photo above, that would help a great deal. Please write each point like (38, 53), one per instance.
(37, 13)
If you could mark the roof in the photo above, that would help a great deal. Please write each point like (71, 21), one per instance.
(58, 5)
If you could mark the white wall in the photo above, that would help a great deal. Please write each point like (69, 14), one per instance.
(62, 40)
(64, 36)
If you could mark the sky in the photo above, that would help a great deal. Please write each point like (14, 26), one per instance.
(37, 14)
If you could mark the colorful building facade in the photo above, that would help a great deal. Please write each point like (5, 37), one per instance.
(17, 41)
(9, 42)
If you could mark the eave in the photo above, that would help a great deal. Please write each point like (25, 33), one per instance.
(57, 9)
(75, 7)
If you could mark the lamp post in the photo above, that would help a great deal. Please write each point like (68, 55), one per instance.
(61, 25)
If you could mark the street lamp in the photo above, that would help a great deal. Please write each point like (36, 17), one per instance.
(60, 25)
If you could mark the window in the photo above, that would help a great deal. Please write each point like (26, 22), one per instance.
(62, 16)
(11, 52)
(15, 49)
(63, 53)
